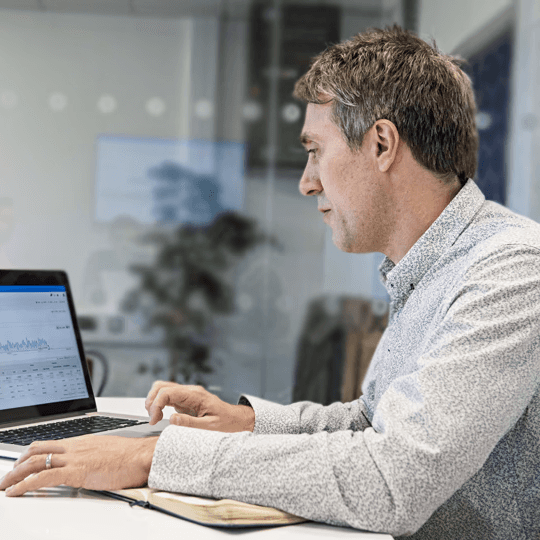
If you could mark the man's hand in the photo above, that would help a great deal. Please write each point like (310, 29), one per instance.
(91, 462)
(197, 408)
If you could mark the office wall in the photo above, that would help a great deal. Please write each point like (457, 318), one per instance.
(452, 23)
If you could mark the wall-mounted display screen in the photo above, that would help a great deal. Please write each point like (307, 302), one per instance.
(167, 181)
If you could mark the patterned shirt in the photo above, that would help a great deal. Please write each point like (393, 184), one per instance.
(444, 442)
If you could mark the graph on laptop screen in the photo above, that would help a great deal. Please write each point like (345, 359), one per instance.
(39, 358)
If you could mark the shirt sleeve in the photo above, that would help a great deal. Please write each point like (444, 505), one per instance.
(305, 416)
(433, 428)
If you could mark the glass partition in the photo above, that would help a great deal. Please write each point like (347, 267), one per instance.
(121, 122)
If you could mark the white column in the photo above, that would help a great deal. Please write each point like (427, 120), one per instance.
(524, 155)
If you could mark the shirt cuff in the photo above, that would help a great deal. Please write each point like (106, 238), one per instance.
(271, 418)
(183, 460)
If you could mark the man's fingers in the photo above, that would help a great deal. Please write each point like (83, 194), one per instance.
(187, 420)
(50, 478)
(156, 387)
(32, 465)
(161, 400)
(152, 394)
(186, 399)
(41, 447)
(175, 396)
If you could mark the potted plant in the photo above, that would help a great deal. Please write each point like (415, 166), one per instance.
(191, 281)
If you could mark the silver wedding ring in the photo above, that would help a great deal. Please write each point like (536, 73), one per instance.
(48, 461)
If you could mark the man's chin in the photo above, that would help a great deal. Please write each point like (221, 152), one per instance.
(341, 243)
(348, 246)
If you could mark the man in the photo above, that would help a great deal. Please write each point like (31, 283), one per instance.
(443, 443)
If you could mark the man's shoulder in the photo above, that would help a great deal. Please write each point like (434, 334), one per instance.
(497, 240)
(497, 228)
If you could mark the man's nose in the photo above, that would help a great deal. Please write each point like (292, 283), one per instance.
(309, 182)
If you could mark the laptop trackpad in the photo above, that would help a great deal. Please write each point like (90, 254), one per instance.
(133, 433)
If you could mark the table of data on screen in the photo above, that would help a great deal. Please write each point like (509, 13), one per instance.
(39, 356)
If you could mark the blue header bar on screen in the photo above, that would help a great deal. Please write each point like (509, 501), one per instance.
(32, 288)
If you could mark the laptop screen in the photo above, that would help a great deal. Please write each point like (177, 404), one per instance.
(42, 371)
(39, 357)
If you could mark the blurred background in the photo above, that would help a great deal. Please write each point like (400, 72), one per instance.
(128, 127)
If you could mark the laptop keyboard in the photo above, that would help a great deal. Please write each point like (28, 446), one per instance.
(65, 429)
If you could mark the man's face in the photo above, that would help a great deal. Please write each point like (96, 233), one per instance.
(347, 184)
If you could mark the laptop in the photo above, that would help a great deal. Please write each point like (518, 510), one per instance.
(45, 386)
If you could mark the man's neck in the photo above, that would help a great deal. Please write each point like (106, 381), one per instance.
(418, 205)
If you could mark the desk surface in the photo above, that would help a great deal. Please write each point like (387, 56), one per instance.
(57, 513)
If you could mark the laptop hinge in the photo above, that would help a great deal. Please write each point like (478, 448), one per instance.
(31, 421)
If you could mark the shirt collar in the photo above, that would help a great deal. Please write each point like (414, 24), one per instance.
(401, 279)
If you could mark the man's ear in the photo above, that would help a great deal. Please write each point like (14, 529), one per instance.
(386, 137)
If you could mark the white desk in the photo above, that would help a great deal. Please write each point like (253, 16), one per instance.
(67, 514)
